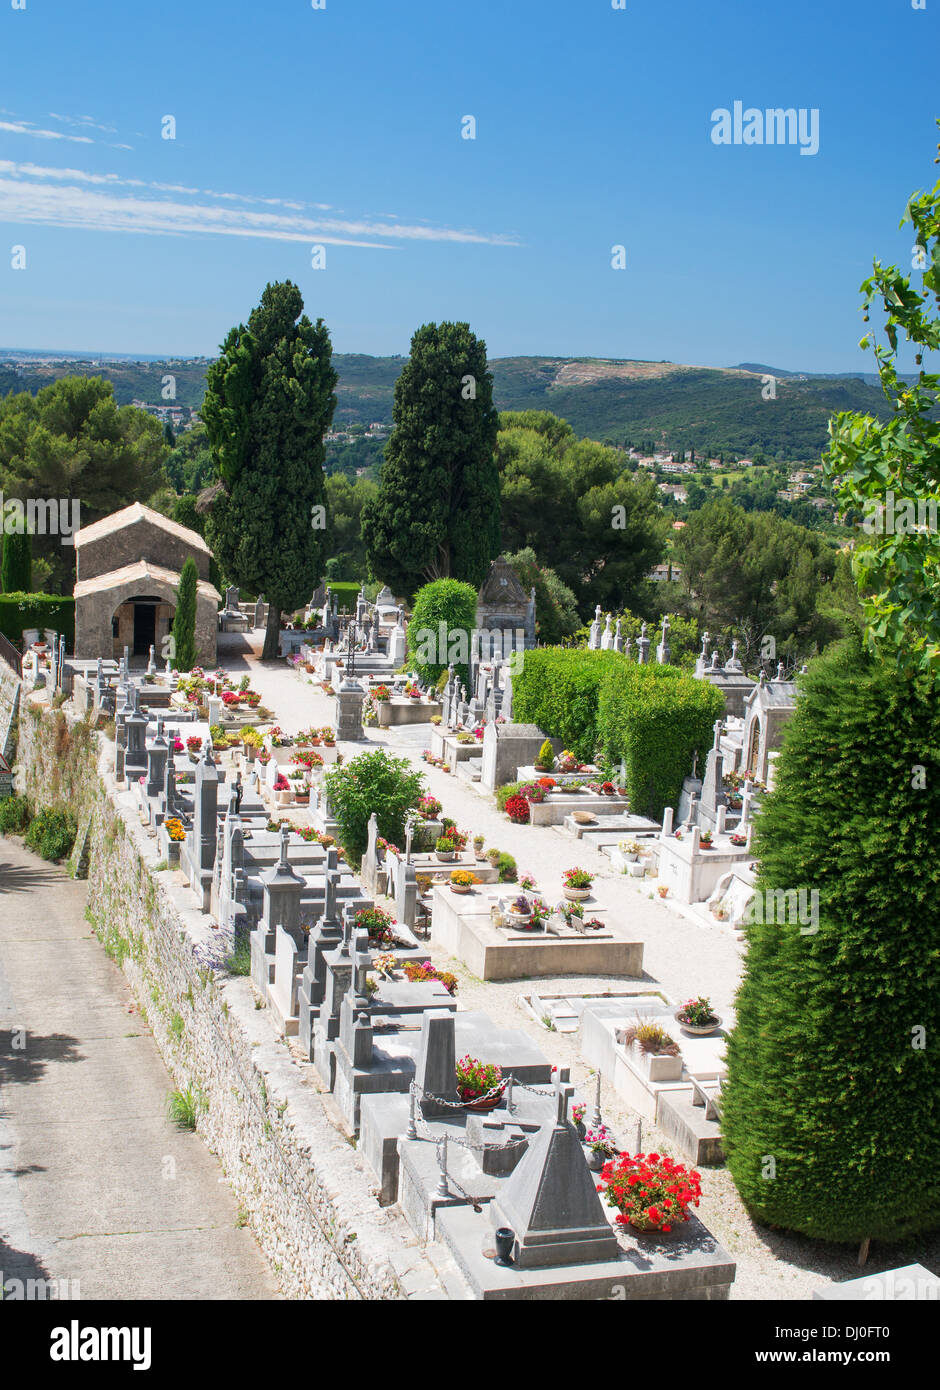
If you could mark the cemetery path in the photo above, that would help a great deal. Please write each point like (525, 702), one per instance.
(96, 1186)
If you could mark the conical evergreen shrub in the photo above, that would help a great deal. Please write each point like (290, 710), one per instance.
(831, 1117)
(184, 620)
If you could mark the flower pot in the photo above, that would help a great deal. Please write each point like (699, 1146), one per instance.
(520, 919)
(577, 895)
(481, 1107)
(461, 887)
(302, 798)
(643, 1228)
(661, 1067)
(505, 1240)
(580, 1128)
(637, 869)
(445, 856)
(595, 1161)
(698, 1030)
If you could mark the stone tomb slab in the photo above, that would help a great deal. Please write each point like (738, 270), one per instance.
(687, 1264)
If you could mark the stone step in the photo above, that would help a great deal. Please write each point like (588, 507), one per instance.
(698, 1139)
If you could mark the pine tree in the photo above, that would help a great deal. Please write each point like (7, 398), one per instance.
(269, 401)
(437, 513)
(184, 620)
(830, 1117)
(16, 570)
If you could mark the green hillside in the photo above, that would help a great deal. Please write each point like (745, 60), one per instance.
(710, 410)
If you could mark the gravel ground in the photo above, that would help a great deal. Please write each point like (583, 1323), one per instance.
(681, 955)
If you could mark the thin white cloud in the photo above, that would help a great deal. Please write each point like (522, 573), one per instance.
(27, 128)
(87, 121)
(32, 193)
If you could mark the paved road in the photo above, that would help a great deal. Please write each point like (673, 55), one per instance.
(96, 1187)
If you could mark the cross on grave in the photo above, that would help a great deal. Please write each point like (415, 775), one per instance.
(409, 836)
(563, 1094)
(717, 733)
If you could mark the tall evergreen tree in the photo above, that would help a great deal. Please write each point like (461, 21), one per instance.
(437, 512)
(184, 620)
(269, 401)
(16, 570)
(830, 1116)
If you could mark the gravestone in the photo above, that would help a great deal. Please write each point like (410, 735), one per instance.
(436, 1067)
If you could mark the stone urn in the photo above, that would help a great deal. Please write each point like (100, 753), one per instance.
(577, 895)
(703, 1030)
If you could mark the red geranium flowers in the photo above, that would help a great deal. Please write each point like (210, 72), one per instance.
(650, 1192)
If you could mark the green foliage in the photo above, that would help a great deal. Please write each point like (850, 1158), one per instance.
(556, 609)
(604, 707)
(14, 815)
(898, 565)
(758, 575)
(269, 401)
(16, 569)
(72, 440)
(546, 757)
(345, 499)
(19, 612)
(506, 867)
(444, 601)
(238, 960)
(572, 503)
(827, 1069)
(185, 1106)
(372, 782)
(184, 619)
(437, 512)
(504, 792)
(51, 834)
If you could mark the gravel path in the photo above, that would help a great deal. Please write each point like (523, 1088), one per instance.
(682, 956)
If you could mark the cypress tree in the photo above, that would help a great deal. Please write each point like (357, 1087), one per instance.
(269, 401)
(16, 570)
(436, 515)
(184, 620)
(831, 1122)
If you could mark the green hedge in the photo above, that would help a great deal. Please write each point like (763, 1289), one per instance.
(609, 709)
(21, 611)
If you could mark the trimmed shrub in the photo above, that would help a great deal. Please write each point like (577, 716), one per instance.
(831, 1068)
(14, 815)
(517, 809)
(546, 758)
(609, 709)
(20, 611)
(51, 834)
(16, 566)
(443, 617)
(372, 782)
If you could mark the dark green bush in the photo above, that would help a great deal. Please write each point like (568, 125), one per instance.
(51, 834)
(21, 611)
(372, 782)
(609, 709)
(830, 1117)
(14, 815)
(504, 792)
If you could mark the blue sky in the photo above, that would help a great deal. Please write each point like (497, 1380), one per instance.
(341, 126)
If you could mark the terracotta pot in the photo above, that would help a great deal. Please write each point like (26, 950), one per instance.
(482, 1106)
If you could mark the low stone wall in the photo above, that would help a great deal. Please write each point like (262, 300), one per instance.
(307, 1193)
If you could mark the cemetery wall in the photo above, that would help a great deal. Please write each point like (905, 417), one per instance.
(304, 1189)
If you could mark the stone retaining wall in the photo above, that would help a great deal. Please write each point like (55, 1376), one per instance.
(303, 1187)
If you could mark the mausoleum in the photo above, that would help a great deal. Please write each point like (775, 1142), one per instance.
(127, 576)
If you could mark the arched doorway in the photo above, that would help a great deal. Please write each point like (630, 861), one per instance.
(140, 623)
(753, 751)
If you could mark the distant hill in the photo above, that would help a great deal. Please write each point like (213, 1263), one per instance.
(711, 410)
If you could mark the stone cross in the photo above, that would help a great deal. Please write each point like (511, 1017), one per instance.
(642, 647)
(563, 1094)
(409, 836)
(717, 742)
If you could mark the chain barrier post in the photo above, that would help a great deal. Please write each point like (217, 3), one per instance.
(412, 1131)
(442, 1188)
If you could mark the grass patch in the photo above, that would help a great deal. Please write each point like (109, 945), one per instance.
(184, 1107)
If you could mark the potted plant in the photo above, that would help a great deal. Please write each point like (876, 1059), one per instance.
(193, 745)
(546, 758)
(577, 884)
(479, 1084)
(577, 1118)
(478, 843)
(663, 890)
(600, 1146)
(445, 848)
(658, 1052)
(517, 809)
(519, 911)
(282, 791)
(705, 840)
(378, 923)
(526, 882)
(430, 807)
(462, 881)
(698, 1017)
(417, 971)
(651, 1192)
(738, 840)
(492, 856)
(251, 742)
(629, 850)
(382, 693)
(566, 762)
